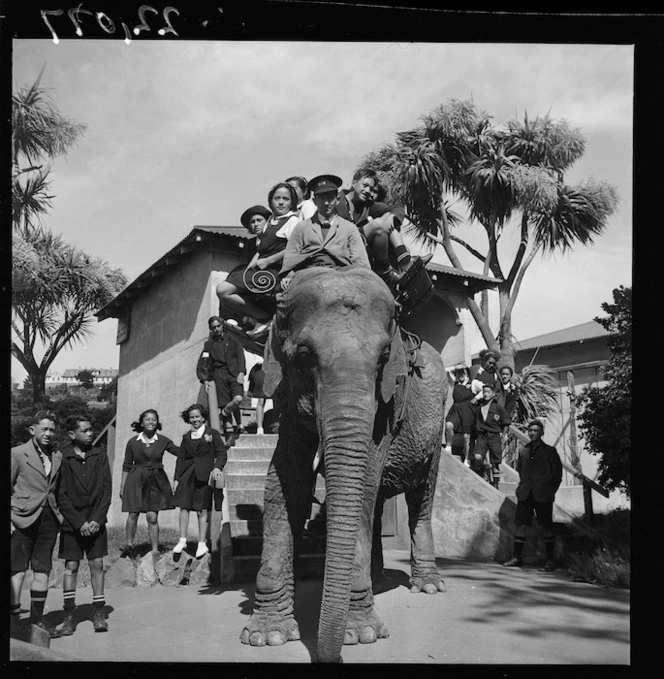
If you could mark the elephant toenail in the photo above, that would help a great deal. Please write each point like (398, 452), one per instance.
(257, 639)
(368, 635)
(275, 638)
(350, 638)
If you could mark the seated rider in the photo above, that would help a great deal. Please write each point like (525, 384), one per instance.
(249, 290)
(325, 239)
(378, 223)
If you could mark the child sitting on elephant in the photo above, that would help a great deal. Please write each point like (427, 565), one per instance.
(325, 239)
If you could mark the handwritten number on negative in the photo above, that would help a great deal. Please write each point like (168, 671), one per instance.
(141, 15)
(169, 29)
(107, 24)
(74, 14)
(52, 12)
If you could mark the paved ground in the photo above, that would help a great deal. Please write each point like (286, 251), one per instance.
(489, 615)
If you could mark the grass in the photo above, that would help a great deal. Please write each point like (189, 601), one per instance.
(606, 562)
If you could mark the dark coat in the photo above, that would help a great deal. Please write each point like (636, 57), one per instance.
(226, 351)
(30, 485)
(508, 399)
(496, 420)
(84, 488)
(540, 471)
(204, 456)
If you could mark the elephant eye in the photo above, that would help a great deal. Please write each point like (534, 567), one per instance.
(384, 354)
(304, 355)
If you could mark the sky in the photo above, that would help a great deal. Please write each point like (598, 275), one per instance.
(193, 132)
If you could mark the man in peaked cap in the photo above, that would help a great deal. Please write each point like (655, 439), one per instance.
(325, 239)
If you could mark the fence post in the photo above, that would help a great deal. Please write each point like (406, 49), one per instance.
(588, 504)
(221, 547)
(573, 443)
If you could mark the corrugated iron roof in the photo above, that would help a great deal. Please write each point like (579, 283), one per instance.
(462, 273)
(173, 256)
(575, 333)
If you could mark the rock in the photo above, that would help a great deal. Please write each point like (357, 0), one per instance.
(146, 576)
(121, 573)
(171, 572)
(200, 570)
(39, 637)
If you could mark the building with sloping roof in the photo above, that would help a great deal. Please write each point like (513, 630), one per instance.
(577, 355)
(162, 324)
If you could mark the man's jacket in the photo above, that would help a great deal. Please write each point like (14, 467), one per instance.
(31, 488)
(540, 471)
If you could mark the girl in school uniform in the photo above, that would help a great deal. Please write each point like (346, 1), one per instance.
(201, 462)
(145, 487)
(305, 205)
(461, 416)
(249, 291)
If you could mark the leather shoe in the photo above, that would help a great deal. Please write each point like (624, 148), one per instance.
(99, 620)
(69, 625)
(514, 562)
(548, 567)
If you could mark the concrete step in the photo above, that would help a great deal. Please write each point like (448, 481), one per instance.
(248, 504)
(252, 453)
(242, 481)
(307, 567)
(248, 545)
(254, 527)
(256, 441)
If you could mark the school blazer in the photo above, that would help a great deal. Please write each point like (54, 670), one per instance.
(84, 498)
(542, 474)
(235, 363)
(30, 486)
(204, 456)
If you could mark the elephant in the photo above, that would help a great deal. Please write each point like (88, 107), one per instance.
(336, 362)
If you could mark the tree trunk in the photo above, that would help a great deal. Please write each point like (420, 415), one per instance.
(38, 378)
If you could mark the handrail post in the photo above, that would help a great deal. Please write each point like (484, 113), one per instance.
(219, 524)
(588, 504)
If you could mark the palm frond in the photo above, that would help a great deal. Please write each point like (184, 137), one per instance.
(544, 141)
(580, 215)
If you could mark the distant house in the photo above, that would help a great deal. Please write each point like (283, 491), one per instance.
(100, 376)
(162, 324)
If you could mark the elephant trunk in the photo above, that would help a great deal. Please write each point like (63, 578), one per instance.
(346, 416)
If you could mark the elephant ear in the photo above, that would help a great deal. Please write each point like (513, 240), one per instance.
(396, 366)
(272, 363)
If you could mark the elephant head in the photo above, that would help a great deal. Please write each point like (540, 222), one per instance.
(336, 350)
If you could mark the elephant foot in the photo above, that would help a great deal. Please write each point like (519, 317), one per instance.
(269, 631)
(364, 628)
(429, 584)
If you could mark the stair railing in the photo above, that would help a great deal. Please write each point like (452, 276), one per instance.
(220, 539)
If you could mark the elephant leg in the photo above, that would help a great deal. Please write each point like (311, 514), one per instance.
(287, 505)
(424, 573)
(363, 625)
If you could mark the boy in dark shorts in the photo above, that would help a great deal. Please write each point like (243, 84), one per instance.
(84, 496)
(491, 423)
